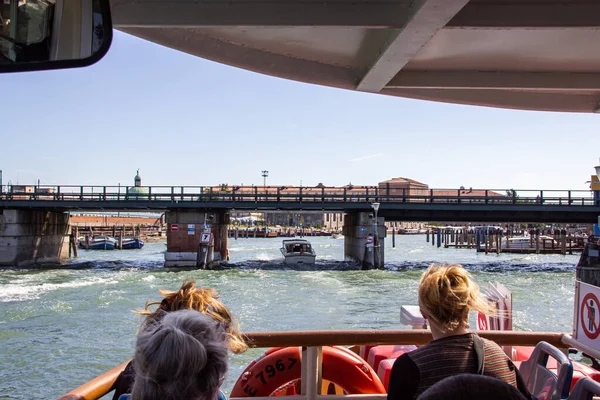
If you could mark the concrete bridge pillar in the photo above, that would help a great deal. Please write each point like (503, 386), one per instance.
(359, 241)
(32, 237)
(185, 229)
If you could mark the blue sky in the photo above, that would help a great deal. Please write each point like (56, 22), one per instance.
(183, 120)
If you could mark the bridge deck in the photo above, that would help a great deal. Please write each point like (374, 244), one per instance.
(522, 206)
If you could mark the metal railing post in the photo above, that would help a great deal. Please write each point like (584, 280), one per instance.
(80, 193)
(104, 193)
(541, 197)
(311, 375)
(172, 193)
(149, 192)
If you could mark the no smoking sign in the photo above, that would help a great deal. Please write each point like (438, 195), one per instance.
(482, 322)
(590, 315)
(587, 311)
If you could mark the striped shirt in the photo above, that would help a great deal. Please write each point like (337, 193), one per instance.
(416, 371)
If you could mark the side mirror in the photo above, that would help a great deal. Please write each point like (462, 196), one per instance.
(51, 34)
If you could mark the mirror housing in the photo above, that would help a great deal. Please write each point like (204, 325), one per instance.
(40, 35)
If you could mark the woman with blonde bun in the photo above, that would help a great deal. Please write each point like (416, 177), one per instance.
(446, 295)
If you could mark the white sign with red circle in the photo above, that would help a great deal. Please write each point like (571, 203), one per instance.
(482, 322)
(588, 315)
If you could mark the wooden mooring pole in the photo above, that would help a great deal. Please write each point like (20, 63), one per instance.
(74, 243)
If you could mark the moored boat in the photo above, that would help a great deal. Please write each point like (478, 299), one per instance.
(529, 242)
(131, 242)
(98, 243)
(298, 251)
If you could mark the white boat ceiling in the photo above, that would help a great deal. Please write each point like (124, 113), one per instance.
(525, 54)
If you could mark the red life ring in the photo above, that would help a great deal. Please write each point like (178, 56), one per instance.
(281, 366)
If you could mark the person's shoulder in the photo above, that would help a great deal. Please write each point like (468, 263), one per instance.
(125, 397)
(490, 345)
(404, 361)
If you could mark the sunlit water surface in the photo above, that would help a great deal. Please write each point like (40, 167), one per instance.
(61, 327)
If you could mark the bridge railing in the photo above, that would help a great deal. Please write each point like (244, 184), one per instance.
(359, 194)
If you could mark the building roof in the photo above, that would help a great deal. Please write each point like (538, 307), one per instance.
(403, 180)
(137, 190)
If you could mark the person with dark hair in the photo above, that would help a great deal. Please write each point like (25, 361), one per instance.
(472, 387)
(181, 356)
(188, 297)
(446, 295)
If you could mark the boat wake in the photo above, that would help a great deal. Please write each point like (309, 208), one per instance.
(506, 266)
(273, 266)
(326, 265)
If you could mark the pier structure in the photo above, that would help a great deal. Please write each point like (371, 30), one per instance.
(34, 221)
(33, 236)
(196, 238)
(363, 239)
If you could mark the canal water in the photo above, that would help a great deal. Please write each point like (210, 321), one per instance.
(61, 327)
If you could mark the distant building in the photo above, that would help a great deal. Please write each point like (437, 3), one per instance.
(22, 188)
(31, 189)
(396, 188)
(403, 187)
(137, 189)
(333, 221)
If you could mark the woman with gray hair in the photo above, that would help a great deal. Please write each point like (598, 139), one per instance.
(182, 356)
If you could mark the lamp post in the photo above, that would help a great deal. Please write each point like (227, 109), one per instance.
(265, 173)
(375, 207)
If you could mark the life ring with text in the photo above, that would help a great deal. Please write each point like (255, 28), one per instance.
(279, 367)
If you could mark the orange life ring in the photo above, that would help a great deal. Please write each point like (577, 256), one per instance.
(281, 366)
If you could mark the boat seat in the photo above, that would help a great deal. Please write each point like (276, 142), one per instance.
(585, 389)
(384, 371)
(382, 352)
(580, 371)
(542, 382)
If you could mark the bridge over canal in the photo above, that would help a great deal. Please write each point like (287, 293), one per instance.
(34, 221)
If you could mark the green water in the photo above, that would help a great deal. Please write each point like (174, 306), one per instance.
(61, 327)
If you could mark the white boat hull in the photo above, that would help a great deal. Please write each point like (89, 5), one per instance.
(299, 259)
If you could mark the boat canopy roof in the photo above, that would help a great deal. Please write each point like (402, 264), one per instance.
(296, 241)
(527, 54)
